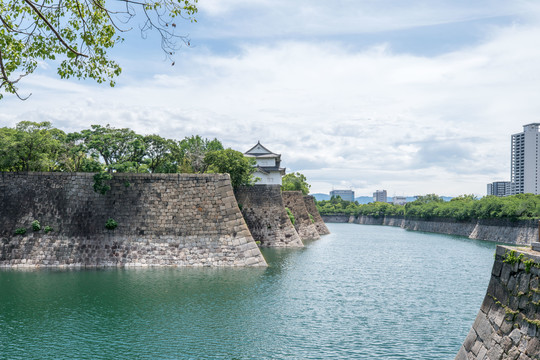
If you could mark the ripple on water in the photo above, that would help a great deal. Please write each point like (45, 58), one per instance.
(362, 292)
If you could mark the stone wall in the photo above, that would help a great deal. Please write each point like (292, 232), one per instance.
(339, 219)
(265, 215)
(294, 200)
(499, 230)
(163, 219)
(507, 325)
(312, 209)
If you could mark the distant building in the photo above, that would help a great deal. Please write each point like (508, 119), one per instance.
(524, 174)
(347, 195)
(399, 200)
(380, 195)
(268, 165)
(499, 188)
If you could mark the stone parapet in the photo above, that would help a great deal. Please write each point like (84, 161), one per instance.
(294, 201)
(265, 215)
(312, 210)
(507, 325)
(163, 219)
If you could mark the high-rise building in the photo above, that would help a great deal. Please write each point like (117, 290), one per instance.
(380, 195)
(499, 188)
(347, 195)
(524, 167)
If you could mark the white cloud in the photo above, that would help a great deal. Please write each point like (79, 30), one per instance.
(264, 18)
(367, 119)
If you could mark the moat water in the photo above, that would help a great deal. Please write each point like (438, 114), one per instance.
(362, 292)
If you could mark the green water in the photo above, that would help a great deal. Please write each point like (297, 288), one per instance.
(363, 292)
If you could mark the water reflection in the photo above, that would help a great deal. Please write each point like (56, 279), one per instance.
(363, 292)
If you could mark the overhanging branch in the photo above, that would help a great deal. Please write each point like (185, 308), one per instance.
(49, 25)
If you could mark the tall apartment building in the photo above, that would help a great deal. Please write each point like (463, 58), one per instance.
(499, 188)
(524, 167)
(347, 195)
(380, 195)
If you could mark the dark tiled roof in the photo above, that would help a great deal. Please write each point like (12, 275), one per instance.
(268, 152)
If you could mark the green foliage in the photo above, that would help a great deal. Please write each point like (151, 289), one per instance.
(161, 155)
(36, 226)
(232, 162)
(100, 182)
(111, 224)
(20, 231)
(76, 36)
(193, 151)
(30, 146)
(290, 214)
(461, 208)
(47, 229)
(40, 147)
(511, 258)
(336, 205)
(122, 150)
(311, 218)
(295, 182)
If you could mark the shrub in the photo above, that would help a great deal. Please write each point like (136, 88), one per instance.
(291, 216)
(36, 226)
(111, 224)
(48, 229)
(20, 231)
(100, 184)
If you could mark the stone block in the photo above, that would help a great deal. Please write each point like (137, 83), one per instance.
(483, 328)
(470, 340)
(495, 353)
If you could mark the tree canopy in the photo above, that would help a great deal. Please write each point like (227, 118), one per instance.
(232, 162)
(76, 35)
(295, 182)
(461, 208)
(32, 146)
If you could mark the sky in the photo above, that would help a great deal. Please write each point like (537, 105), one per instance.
(414, 97)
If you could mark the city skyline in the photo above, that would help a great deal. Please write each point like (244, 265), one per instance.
(411, 98)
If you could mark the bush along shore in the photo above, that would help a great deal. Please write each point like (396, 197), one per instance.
(512, 219)
(430, 207)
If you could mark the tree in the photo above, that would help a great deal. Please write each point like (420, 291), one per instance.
(193, 151)
(295, 182)
(78, 33)
(30, 146)
(74, 156)
(232, 162)
(159, 154)
(121, 149)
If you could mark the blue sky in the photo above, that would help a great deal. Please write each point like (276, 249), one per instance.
(414, 97)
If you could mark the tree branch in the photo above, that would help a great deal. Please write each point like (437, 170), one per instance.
(10, 83)
(49, 25)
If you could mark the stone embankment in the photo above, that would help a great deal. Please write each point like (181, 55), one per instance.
(507, 325)
(338, 218)
(499, 230)
(163, 219)
(294, 201)
(265, 215)
(312, 209)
